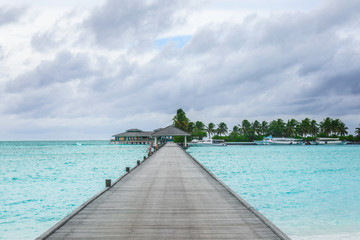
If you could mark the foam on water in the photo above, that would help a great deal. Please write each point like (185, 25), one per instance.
(310, 192)
(41, 182)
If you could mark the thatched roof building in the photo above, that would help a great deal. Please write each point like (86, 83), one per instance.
(137, 136)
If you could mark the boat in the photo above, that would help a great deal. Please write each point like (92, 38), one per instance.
(278, 141)
(208, 143)
(329, 141)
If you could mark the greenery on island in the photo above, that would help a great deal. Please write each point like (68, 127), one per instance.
(247, 131)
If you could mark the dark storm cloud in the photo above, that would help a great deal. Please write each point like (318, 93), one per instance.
(127, 23)
(11, 14)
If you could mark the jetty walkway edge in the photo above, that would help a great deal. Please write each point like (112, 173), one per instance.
(168, 196)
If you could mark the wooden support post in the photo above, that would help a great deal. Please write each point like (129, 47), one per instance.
(127, 169)
(107, 182)
(138, 162)
(144, 158)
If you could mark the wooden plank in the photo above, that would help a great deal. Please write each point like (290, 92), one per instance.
(169, 196)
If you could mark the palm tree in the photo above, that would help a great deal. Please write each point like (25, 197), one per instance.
(335, 126)
(326, 126)
(304, 127)
(245, 127)
(290, 128)
(210, 129)
(200, 126)
(264, 127)
(342, 129)
(191, 127)
(180, 120)
(357, 131)
(222, 128)
(256, 127)
(277, 128)
(314, 128)
(236, 129)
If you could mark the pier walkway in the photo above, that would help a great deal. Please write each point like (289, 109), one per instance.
(168, 196)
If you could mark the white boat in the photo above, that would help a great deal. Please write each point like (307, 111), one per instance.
(278, 141)
(284, 141)
(208, 143)
(329, 141)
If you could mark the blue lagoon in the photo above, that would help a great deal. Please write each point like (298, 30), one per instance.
(309, 192)
(42, 182)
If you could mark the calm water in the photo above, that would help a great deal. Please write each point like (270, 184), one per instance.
(41, 182)
(310, 192)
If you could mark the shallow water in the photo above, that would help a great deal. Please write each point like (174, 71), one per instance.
(41, 182)
(309, 192)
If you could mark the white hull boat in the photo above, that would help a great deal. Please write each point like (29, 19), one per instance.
(278, 141)
(208, 143)
(329, 141)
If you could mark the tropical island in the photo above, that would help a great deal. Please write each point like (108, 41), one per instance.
(246, 131)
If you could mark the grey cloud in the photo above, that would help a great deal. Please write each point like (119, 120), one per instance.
(291, 56)
(1, 53)
(128, 23)
(11, 14)
(64, 68)
(345, 83)
(270, 67)
(44, 41)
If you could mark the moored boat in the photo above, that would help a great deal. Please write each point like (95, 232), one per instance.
(329, 141)
(279, 141)
(208, 143)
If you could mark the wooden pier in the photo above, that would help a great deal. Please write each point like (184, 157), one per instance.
(168, 196)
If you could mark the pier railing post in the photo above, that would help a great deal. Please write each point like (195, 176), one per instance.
(127, 169)
(138, 162)
(107, 182)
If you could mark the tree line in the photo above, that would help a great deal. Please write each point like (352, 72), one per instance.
(248, 131)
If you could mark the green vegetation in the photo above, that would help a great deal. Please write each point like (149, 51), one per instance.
(181, 121)
(247, 131)
(357, 131)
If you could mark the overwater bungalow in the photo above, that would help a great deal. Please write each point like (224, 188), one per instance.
(137, 136)
(133, 136)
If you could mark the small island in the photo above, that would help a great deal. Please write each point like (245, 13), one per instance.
(306, 131)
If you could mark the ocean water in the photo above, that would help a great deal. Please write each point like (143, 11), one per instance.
(309, 192)
(42, 182)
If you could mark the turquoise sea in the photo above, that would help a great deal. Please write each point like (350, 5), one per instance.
(310, 192)
(41, 182)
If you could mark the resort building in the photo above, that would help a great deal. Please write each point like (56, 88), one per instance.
(160, 135)
(133, 136)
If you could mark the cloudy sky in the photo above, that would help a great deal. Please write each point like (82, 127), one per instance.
(88, 69)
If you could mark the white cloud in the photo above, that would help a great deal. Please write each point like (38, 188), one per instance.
(101, 68)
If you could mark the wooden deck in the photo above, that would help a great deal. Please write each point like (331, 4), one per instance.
(169, 196)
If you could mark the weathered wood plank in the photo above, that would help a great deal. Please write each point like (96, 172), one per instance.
(169, 196)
